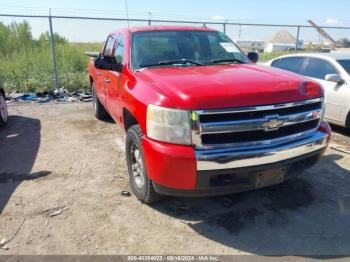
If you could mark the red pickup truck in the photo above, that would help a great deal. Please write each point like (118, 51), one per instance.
(200, 118)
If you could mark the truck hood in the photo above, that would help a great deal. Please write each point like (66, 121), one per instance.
(221, 86)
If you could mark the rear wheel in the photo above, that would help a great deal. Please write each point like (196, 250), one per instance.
(140, 184)
(3, 110)
(99, 110)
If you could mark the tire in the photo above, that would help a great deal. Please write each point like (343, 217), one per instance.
(140, 184)
(3, 110)
(99, 110)
(347, 121)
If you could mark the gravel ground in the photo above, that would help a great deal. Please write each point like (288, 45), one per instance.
(62, 171)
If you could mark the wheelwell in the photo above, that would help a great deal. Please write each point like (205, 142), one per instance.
(91, 80)
(128, 119)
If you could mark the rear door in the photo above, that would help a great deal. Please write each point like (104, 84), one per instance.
(115, 80)
(101, 74)
(318, 68)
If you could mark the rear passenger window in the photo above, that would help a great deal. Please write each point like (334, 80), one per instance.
(292, 64)
(318, 68)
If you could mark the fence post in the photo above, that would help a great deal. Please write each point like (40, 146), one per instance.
(52, 41)
(149, 18)
(297, 42)
(224, 26)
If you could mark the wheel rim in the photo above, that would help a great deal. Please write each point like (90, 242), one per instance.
(137, 166)
(94, 99)
(3, 109)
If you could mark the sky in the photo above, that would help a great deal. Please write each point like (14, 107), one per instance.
(323, 12)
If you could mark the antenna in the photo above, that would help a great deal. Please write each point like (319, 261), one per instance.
(127, 12)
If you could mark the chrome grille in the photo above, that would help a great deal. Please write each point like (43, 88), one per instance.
(255, 125)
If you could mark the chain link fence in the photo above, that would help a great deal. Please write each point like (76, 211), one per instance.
(42, 52)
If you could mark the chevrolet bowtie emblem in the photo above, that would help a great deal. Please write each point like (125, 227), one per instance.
(272, 123)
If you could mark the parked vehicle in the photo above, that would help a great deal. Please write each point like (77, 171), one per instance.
(332, 71)
(3, 108)
(200, 119)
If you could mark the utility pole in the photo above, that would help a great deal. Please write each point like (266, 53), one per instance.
(127, 12)
(323, 34)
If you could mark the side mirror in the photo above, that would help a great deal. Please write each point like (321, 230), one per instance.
(334, 78)
(108, 63)
(253, 57)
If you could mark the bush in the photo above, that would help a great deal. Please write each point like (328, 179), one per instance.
(26, 64)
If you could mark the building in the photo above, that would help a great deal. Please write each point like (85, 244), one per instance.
(282, 41)
(251, 45)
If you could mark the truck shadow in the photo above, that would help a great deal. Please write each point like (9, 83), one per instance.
(306, 216)
(19, 145)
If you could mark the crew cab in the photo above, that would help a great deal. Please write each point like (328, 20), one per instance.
(200, 118)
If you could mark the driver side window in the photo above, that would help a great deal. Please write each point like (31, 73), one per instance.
(119, 52)
(109, 45)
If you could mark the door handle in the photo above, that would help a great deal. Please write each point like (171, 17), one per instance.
(107, 80)
(98, 73)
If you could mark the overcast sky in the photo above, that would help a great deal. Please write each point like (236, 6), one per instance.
(254, 11)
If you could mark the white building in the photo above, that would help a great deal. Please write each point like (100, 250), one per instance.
(282, 41)
(256, 45)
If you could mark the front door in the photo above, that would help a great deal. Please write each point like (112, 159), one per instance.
(102, 75)
(334, 92)
(115, 80)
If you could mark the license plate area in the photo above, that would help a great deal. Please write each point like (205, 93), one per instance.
(270, 177)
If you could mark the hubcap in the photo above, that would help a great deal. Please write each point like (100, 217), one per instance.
(137, 166)
(94, 99)
(3, 109)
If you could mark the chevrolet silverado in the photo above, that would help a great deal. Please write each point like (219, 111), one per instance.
(200, 117)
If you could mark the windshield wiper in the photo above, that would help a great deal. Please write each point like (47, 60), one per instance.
(173, 62)
(231, 60)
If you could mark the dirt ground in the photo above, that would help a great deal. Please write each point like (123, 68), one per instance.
(62, 172)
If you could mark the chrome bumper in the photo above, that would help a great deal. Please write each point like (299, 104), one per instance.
(229, 158)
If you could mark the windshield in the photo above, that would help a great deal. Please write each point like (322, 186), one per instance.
(185, 48)
(345, 64)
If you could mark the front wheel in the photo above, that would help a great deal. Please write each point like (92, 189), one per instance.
(99, 110)
(3, 110)
(140, 184)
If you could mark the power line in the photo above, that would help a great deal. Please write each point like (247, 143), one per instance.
(34, 10)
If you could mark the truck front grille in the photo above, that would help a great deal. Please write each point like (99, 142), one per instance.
(253, 125)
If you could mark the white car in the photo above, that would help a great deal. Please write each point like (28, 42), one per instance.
(332, 70)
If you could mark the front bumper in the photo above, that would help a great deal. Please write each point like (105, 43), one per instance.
(238, 158)
(182, 171)
(223, 182)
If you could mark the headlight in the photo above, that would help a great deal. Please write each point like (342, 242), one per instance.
(168, 125)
